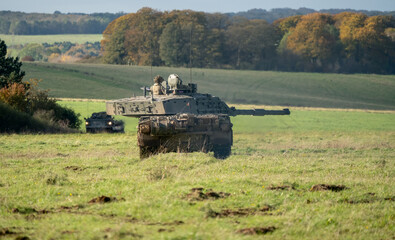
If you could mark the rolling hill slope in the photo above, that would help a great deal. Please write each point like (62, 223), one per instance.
(363, 91)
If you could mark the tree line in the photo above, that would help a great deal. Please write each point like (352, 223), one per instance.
(278, 13)
(19, 23)
(319, 42)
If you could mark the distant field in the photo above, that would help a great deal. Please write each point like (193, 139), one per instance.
(50, 184)
(360, 91)
(73, 38)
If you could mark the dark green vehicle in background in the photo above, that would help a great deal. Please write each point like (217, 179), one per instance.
(101, 122)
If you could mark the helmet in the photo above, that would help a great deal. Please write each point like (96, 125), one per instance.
(158, 79)
(174, 81)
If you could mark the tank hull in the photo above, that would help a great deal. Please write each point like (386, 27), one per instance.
(185, 133)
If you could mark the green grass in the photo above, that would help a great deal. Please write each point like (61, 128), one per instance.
(363, 91)
(73, 38)
(62, 173)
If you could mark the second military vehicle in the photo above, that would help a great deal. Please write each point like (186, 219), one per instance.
(101, 122)
(176, 118)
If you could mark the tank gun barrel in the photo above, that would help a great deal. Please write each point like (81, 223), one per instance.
(258, 112)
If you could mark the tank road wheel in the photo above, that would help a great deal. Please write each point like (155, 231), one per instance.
(146, 152)
(221, 151)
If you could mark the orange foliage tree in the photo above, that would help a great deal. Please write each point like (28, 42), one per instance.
(314, 38)
(365, 41)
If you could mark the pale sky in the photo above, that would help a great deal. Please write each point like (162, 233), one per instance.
(113, 6)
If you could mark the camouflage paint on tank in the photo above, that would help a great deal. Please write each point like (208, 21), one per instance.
(181, 119)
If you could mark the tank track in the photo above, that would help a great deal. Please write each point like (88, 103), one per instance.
(185, 133)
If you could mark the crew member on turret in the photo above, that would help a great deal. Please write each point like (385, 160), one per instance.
(157, 88)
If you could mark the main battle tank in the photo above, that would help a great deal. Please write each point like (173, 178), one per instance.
(176, 118)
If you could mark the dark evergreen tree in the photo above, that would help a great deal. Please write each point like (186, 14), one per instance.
(10, 68)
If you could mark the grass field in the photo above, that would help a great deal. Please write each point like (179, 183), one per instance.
(50, 184)
(361, 91)
(73, 38)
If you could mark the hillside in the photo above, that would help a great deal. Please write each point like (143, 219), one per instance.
(360, 91)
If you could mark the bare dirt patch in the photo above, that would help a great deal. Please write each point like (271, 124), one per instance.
(281, 187)
(256, 230)
(73, 168)
(328, 187)
(174, 223)
(22, 238)
(103, 199)
(199, 194)
(69, 232)
(366, 198)
(6, 231)
(68, 208)
(27, 210)
(62, 155)
(122, 235)
(358, 201)
(390, 198)
(240, 212)
(166, 230)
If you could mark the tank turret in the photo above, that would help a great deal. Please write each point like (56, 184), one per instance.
(176, 118)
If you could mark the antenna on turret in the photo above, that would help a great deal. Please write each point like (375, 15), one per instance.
(190, 55)
(151, 73)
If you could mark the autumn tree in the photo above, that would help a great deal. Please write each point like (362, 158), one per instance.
(315, 39)
(174, 45)
(184, 40)
(286, 25)
(113, 42)
(142, 37)
(216, 49)
(367, 46)
(348, 25)
(252, 44)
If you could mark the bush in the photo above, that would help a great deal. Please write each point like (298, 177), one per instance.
(12, 121)
(38, 101)
(27, 59)
(15, 96)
